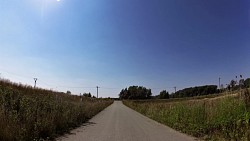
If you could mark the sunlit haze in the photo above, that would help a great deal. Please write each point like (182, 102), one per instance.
(77, 45)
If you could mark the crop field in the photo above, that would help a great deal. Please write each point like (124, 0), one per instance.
(38, 114)
(210, 118)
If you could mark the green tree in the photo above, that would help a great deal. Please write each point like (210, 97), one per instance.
(164, 95)
(233, 83)
(89, 95)
(68, 92)
(135, 92)
(247, 83)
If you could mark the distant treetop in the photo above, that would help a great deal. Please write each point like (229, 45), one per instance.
(135, 92)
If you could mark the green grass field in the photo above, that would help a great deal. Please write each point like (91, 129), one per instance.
(37, 114)
(218, 117)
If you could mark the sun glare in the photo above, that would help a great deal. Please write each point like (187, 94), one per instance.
(57, 0)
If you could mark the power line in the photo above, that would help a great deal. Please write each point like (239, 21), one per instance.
(47, 83)
(161, 88)
(74, 87)
(110, 88)
(219, 83)
(15, 74)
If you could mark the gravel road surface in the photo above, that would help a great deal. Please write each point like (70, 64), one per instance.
(120, 123)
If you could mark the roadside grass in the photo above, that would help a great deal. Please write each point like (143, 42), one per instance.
(38, 114)
(217, 118)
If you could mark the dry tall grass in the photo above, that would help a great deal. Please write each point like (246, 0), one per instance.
(38, 114)
(218, 118)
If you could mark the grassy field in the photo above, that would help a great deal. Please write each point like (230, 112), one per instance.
(37, 114)
(211, 118)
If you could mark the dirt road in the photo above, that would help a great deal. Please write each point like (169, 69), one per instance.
(120, 123)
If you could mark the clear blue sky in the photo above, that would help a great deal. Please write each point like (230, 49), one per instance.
(78, 44)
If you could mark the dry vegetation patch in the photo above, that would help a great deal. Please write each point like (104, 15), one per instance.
(217, 118)
(37, 114)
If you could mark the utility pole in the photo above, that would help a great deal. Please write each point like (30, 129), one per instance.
(219, 83)
(97, 90)
(35, 82)
(174, 89)
(236, 80)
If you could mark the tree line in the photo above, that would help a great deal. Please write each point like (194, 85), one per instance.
(140, 92)
(196, 91)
